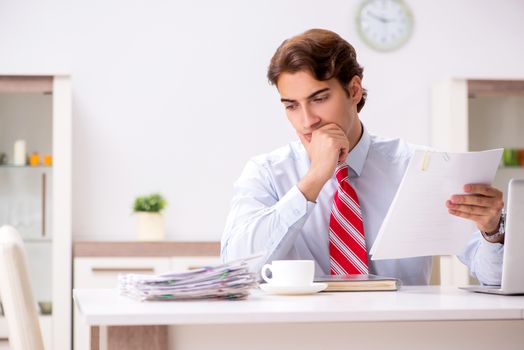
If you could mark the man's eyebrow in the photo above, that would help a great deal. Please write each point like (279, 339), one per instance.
(318, 92)
(309, 97)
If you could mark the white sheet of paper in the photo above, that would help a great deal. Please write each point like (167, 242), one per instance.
(418, 222)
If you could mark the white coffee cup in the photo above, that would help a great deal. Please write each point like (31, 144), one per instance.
(289, 272)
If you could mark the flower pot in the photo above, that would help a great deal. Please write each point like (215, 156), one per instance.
(150, 226)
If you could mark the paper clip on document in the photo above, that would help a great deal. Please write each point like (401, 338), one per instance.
(425, 161)
(426, 157)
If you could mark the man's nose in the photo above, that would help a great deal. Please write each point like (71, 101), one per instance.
(310, 119)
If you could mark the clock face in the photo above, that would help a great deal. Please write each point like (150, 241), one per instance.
(384, 25)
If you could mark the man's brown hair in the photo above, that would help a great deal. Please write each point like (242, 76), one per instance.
(321, 52)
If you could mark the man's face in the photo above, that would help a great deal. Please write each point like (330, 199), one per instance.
(311, 104)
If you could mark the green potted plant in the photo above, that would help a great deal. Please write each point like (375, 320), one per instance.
(150, 221)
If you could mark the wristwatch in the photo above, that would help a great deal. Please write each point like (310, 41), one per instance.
(497, 237)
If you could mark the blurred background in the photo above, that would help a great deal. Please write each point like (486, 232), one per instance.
(173, 96)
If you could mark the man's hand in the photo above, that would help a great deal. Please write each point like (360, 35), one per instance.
(482, 204)
(327, 146)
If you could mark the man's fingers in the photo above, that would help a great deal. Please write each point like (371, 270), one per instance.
(331, 129)
(471, 209)
(335, 133)
(483, 205)
(483, 222)
(330, 126)
(343, 155)
(464, 215)
(480, 201)
(485, 190)
(335, 137)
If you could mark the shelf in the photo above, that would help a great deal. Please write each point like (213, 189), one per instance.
(495, 88)
(26, 84)
(518, 170)
(38, 109)
(38, 240)
(11, 166)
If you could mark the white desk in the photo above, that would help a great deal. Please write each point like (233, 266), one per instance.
(451, 318)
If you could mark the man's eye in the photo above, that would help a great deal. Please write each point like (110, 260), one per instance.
(291, 107)
(320, 99)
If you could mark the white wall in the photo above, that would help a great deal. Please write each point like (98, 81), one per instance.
(172, 96)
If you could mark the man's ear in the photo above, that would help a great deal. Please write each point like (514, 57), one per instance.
(354, 88)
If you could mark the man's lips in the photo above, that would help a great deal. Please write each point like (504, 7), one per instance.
(307, 137)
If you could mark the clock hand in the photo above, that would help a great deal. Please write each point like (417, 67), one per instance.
(380, 18)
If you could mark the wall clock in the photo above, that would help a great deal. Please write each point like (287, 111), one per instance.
(384, 25)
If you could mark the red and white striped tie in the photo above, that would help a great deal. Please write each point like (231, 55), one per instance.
(347, 247)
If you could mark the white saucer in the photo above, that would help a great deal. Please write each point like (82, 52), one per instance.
(293, 290)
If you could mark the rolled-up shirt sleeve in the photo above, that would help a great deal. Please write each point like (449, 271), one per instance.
(484, 259)
(260, 223)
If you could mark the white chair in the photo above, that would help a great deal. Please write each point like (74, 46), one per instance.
(17, 296)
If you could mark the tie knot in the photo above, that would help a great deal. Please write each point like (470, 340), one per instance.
(341, 172)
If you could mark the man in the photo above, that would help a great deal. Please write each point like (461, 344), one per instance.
(325, 197)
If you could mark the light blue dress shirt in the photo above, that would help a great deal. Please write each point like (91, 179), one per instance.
(270, 217)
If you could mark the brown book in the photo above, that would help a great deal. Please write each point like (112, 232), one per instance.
(358, 283)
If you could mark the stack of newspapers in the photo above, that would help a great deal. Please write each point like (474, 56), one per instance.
(228, 281)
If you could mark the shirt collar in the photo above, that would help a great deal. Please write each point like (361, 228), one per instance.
(357, 156)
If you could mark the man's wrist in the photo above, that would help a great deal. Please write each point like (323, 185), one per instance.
(498, 235)
(311, 185)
